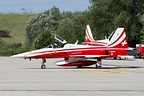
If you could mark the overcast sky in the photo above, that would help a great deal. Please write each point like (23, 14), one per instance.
(37, 6)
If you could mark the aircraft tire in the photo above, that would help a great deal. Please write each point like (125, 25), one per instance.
(43, 66)
(79, 66)
(119, 58)
(98, 67)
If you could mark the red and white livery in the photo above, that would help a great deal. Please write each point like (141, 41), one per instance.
(80, 55)
(111, 41)
(89, 40)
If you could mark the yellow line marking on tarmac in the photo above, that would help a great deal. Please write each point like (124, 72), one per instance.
(108, 71)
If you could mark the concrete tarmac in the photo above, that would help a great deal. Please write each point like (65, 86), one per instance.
(19, 77)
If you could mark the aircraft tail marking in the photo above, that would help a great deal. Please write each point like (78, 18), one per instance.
(119, 40)
(88, 35)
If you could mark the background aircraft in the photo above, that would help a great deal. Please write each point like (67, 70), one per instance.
(89, 40)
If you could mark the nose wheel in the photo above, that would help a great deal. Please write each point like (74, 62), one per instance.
(43, 66)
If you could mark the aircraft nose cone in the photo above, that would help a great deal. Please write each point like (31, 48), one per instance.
(21, 55)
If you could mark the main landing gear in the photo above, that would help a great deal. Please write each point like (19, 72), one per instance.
(43, 66)
(98, 66)
(99, 63)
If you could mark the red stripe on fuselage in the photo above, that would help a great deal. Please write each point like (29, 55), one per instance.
(73, 51)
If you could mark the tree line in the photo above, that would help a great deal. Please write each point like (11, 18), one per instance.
(104, 16)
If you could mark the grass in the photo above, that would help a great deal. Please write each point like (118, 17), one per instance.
(15, 23)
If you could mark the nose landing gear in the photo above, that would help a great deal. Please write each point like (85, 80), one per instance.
(43, 66)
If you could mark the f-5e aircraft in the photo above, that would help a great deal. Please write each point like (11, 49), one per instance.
(79, 55)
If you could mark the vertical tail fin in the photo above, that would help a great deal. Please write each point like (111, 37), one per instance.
(118, 40)
(88, 35)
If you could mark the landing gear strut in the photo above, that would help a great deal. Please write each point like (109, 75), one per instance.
(43, 66)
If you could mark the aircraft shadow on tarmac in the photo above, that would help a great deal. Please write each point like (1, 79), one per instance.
(122, 67)
(119, 60)
(89, 67)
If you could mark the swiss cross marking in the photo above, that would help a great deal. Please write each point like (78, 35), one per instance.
(123, 43)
